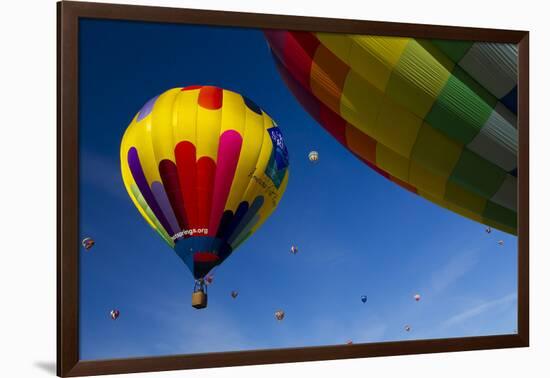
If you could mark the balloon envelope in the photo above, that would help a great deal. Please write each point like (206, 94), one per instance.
(114, 314)
(205, 167)
(436, 117)
(313, 156)
(279, 315)
(364, 298)
(88, 243)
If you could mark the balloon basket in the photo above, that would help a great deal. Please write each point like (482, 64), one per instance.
(199, 300)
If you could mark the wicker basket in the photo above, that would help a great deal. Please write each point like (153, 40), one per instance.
(199, 300)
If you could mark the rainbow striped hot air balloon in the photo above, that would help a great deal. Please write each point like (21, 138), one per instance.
(436, 117)
(205, 167)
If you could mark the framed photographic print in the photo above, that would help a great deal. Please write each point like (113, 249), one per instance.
(240, 188)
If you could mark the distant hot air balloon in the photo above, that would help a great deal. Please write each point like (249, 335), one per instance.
(488, 230)
(407, 328)
(364, 298)
(279, 315)
(114, 314)
(417, 297)
(500, 242)
(205, 167)
(208, 279)
(313, 156)
(88, 243)
(294, 250)
(234, 294)
(349, 342)
(437, 117)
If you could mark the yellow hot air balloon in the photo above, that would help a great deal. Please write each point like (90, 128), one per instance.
(205, 167)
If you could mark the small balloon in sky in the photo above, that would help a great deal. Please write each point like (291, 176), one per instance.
(500, 242)
(417, 297)
(88, 243)
(313, 156)
(488, 230)
(209, 279)
(279, 315)
(349, 342)
(294, 250)
(364, 298)
(408, 328)
(234, 294)
(114, 314)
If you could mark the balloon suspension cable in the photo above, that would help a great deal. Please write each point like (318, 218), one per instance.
(199, 299)
(200, 285)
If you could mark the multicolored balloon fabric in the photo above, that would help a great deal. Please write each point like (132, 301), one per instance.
(205, 167)
(437, 117)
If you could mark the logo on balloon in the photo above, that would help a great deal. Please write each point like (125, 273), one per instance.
(278, 162)
(190, 232)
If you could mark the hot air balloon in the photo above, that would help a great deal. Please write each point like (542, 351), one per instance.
(279, 315)
(349, 342)
(407, 328)
(294, 250)
(205, 167)
(417, 297)
(500, 242)
(313, 156)
(114, 314)
(234, 294)
(488, 230)
(208, 279)
(437, 117)
(88, 243)
(364, 298)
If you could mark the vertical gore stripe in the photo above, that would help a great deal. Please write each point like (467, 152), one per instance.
(247, 219)
(165, 206)
(145, 190)
(241, 211)
(187, 174)
(228, 156)
(206, 173)
(169, 175)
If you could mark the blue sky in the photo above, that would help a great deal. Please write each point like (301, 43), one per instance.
(357, 233)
